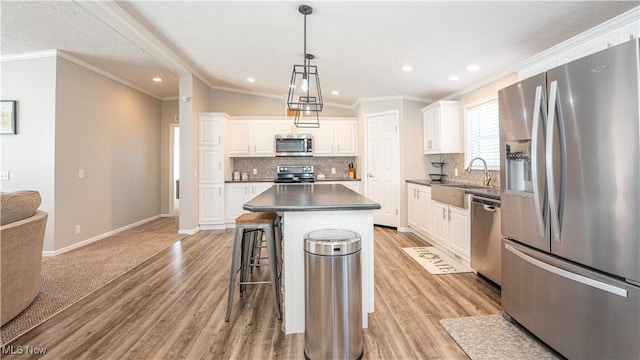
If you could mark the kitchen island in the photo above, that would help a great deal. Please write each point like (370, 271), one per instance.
(308, 207)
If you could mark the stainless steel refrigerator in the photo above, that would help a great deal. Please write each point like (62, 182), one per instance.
(570, 155)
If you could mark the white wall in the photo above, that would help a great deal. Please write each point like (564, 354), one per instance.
(29, 155)
(71, 119)
(112, 132)
(195, 98)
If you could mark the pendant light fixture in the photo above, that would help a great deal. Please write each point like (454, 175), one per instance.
(305, 96)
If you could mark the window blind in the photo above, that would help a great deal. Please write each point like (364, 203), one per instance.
(483, 134)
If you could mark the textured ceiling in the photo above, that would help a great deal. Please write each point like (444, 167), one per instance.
(359, 46)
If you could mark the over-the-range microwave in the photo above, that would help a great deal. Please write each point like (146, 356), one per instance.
(294, 145)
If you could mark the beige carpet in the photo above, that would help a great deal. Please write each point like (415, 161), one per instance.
(491, 337)
(70, 276)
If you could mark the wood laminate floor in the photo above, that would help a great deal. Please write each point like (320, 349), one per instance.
(173, 306)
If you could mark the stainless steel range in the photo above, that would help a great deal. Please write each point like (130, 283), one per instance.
(294, 174)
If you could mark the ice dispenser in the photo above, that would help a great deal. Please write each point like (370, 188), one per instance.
(518, 165)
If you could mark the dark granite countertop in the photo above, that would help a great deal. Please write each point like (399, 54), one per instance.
(492, 193)
(247, 181)
(271, 180)
(309, 197)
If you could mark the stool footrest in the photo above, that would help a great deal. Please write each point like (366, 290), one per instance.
(252, 282)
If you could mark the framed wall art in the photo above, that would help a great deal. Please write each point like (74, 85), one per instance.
(7, 117)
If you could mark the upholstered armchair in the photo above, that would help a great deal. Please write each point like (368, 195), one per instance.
(22, 228)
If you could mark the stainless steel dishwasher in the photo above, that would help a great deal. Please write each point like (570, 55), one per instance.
(485, 238)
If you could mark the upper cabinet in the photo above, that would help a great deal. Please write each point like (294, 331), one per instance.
(334, 137)
(256, 137)
(251, 138)
(441, 126)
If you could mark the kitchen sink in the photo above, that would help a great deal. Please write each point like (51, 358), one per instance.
(463, 186)
(448, 194)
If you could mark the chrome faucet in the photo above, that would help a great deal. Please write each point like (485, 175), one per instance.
(487, 178)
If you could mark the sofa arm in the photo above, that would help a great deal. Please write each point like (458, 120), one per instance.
(21, 245)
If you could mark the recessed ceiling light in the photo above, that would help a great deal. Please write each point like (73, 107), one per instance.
(407, 68)
(251, 80)
(454, 78)
(335, 92)
(157, 79)
(473, 67)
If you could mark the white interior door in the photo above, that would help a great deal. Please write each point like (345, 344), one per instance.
(382, 166)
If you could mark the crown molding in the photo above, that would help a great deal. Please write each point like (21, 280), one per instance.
(29, 55)
(590, 34)
(170, 98)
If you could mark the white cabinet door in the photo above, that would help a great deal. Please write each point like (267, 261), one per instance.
(239, 140)
(238, 194)
(211, 204)
(442, 129)
(345, 134)
(251, 138)
(431, 121)
(283, 127)
(440, 222)
(323, 139)
(262, 139)
(211, 168)
(459, 237)
(424, 209)
(258, 188)
(210, 130)
(413, 209)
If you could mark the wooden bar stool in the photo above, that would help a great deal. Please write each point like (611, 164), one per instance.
(249, 229)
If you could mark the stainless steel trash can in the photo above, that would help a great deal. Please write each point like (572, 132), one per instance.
(333, 295)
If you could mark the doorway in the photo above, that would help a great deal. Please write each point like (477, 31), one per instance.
(383, 175)
(174, 173)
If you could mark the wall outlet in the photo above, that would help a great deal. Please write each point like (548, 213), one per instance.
(4, 175)
(80, 174)
(255, 171)
(455, 171)
(77, 229)
(333, 170)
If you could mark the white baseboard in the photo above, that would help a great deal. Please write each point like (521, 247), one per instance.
(99, 237)
(404, 229)
(212, 226)
(166, 215)
(189, 232)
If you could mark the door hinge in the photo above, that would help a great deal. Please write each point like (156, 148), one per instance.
(396, 211)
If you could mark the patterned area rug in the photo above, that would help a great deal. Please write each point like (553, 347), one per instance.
(435, 261)
(491, 337)
(69, 277)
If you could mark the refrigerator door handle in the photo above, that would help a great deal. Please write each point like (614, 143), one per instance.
(538, 104)
(553, 204)
(567, 274)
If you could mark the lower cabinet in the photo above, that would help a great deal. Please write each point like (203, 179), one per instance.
(211, 206)
(237, 194)
(419, 208)
(450, 228)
